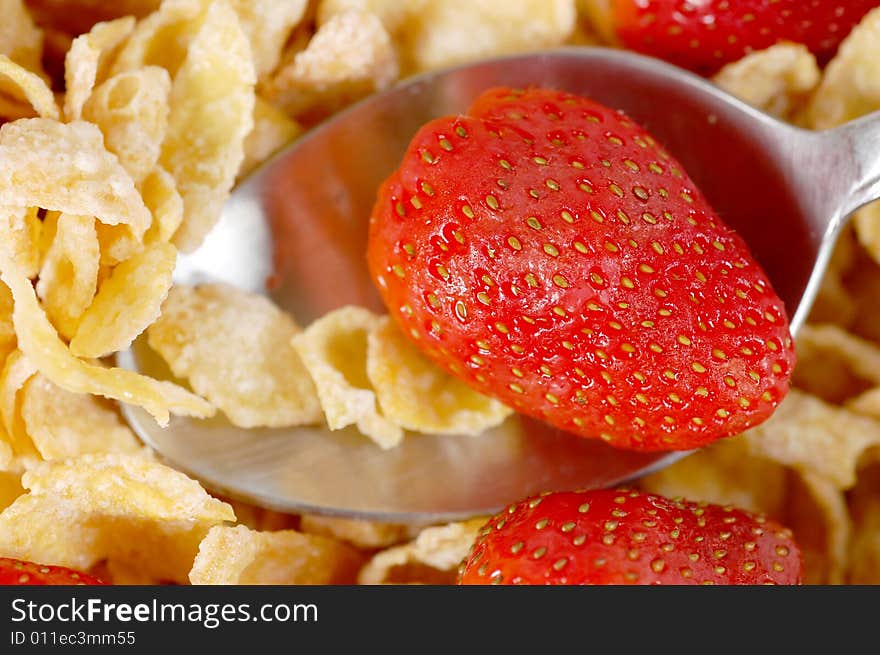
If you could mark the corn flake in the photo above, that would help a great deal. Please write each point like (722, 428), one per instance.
(417, 395)
(125, 508)
(235, 349)
(432, 558)
(131, 109)
(240, 556)
(212, 104)
(777, 80)
(447, 32)
(817, 515)
(20, 243)
(851, 84)
(267, 25)
(65, 424)
(126, 303)
(20, 84)
(69, 275)
(835, 364)
(272, 130)
(83, 177)
(864, 508)
(815, 438)
(8, 340)
(359, 533)
(165, 204)
(38, 340)
(334, 350)
(10, 488)
(87, 61)
(17, 370)
(20, 39)
(350, 56)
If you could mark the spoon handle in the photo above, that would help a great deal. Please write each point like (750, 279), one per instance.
(860, 137)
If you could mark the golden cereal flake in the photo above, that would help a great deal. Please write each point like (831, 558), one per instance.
(69, 274)
(334, 350)
(23, 85)
(441, 548)
(235, 349)
(39, 341)
(65, 424)
(815, 438)
(417, 395)
(211, 113)
(128, 508)
(350, 56)
(777, 80)
(447, 32)
(87, 58)
(127, 302)
(20, 39)
(240, 556)
(131, 109)
(84, 178)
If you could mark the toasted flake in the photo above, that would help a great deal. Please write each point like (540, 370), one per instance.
(21, 84)
(834, 364)
(160, 195)
(20, 39)
(211, 113)
(272, 130)
(88, 56)
(334, 350)
(127, 302)
(83, 178)
(127, 508)
(441, 548)
(416, 395)
(17, 370)
(39, 341)
(235, 349)
(131, 109)
(69, 274)
(267, 25)
(447, 32)
(20, 238)
(240, 556)
(777, 80)
(815, 438)
(357, 532)
(350, 56)
(65, 424)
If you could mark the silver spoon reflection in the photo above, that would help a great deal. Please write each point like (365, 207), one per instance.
(302, 220)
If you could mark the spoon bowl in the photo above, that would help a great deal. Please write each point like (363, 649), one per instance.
(296, 230)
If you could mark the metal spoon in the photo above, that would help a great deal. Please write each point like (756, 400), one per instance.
(302, 220)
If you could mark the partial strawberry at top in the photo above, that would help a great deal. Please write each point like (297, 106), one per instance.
(624, 537)
(703, 35)
(19, 572)
(547, 251)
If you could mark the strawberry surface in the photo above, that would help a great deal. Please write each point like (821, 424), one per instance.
(18, 572)
(703, 35)
(621, 536)
(550, 253)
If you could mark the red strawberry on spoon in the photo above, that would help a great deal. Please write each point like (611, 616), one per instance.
(621, 536)
(19, 572)
(703, 35)
(550, 253)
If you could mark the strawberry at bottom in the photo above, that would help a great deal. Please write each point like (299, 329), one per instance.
(626, 537)
(19, 572)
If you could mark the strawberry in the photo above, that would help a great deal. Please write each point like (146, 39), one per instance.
(706, 34)
(621, 536)
(18, 572)
(550, 253)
